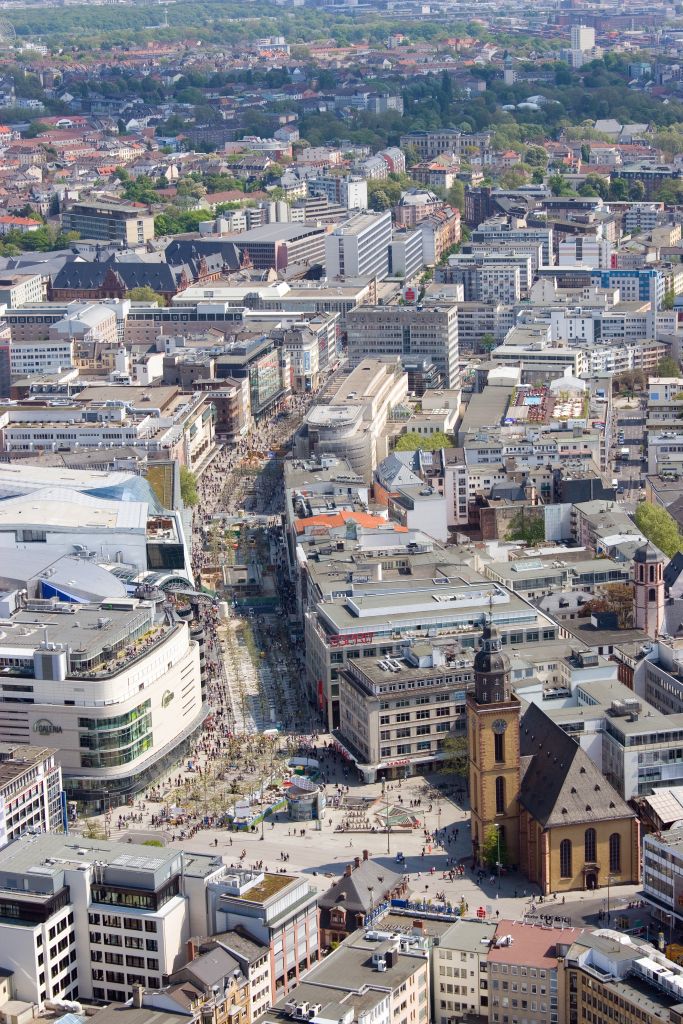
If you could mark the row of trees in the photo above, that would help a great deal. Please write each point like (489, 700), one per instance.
(660, 527)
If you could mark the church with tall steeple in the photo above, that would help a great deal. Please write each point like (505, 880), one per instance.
(536, 793)
(493, 713)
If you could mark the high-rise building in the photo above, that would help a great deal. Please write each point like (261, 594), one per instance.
(429, 332)
(583, 37)
(360, 246)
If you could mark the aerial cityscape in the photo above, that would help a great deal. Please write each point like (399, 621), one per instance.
(341, 512)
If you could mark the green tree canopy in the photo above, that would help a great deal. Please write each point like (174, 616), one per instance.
(655, 523)
(146, 294)
(559, 186)
(668, 367)
(527, 526)
(456, 195)
(188, 487)
(456, 754)
(492, 847)
(427, 442)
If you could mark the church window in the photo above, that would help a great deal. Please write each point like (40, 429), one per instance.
(651, 594)
(499, 746)
(652, 574)
(589, 846)
(566, 859)
(615, 852)
(500, 795)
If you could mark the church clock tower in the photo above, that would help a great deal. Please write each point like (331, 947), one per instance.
(493, 713)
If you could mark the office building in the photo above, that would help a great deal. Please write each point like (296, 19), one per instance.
(87, 918)
(359, 247)
(408, 332)
(21, 289)
(279, 911)
(391, 734)
(366, 623)
(110, 221)
(406, 259)
(385, 981)
(30, 791)
(509, 233)
(489, 278)
(265, 366)
(642, 284)
(584, 251)
(116, 687)
(629, 980)
(663, 875)
(28, 358)
(278, 246)
(352, 424)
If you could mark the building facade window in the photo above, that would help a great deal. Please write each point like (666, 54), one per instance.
(499, 746)
(566, 859)
(615, 852)
(589, 846)
(500, 795)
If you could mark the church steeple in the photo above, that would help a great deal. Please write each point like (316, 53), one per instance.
(491, 667)
(493, 712)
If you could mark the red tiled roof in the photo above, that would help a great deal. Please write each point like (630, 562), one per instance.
(370, 522)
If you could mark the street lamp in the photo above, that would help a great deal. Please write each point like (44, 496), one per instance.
(385, 793)
(610, 879)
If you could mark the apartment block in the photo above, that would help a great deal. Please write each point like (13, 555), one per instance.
(460, 971)
(523, 966)
(351, 192)
(127, 223)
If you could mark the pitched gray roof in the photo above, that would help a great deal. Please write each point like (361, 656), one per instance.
(561, 785)
(353, 891)
(210, 968)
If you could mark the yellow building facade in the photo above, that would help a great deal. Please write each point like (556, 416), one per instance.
(536, 795)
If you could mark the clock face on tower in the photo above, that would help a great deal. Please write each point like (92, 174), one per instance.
(499, 726)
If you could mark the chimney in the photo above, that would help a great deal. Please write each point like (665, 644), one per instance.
(347, 870)
(366, 855)
(418, 926)
(137, 996)
(356, 862)
(191, 949)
